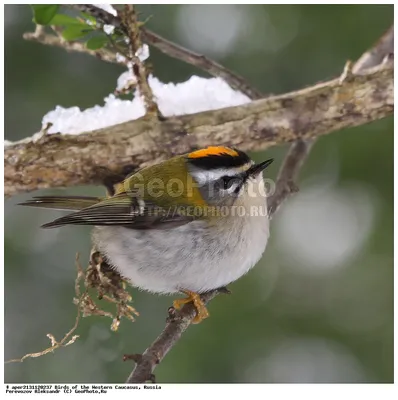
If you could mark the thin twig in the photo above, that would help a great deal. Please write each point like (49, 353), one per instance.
(54, 345)
(67, 339)
(176, 51)
(130, 22)
(72, 46)
(375, 55)
(288, 174)
(200, 61)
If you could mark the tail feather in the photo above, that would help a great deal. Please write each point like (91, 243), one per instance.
(62, 202)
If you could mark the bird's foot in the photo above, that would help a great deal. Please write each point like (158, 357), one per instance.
(201, 310)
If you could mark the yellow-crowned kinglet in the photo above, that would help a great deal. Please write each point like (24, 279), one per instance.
(193, 223)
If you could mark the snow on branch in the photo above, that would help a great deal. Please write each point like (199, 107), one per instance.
(195, 95)
(57, 160)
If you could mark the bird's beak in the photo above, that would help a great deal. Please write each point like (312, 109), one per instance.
(257, 168)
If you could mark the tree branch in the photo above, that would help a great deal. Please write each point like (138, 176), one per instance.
(176, 325)
(44, 161)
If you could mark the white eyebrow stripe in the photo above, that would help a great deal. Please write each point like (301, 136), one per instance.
(203, 176)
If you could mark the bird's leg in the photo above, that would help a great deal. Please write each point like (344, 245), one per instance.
(201, 310)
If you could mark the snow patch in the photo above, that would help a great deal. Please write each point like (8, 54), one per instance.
(143, 52)
(108, 8)
(195, 95)
(109, 29)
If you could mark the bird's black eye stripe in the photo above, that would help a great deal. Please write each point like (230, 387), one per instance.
(228, 181)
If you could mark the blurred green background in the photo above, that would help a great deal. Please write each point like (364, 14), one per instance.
(317, 308)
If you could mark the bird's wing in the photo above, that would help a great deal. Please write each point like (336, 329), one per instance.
(126, 210)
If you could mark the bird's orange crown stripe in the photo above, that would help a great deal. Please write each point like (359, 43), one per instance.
(213, 151)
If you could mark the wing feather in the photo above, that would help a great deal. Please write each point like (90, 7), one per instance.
(124, 210)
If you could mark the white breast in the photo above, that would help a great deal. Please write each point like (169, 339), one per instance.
(193, 256)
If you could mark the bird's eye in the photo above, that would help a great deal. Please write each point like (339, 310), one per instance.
(227, 182)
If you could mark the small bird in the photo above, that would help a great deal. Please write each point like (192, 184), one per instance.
(190, 224)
